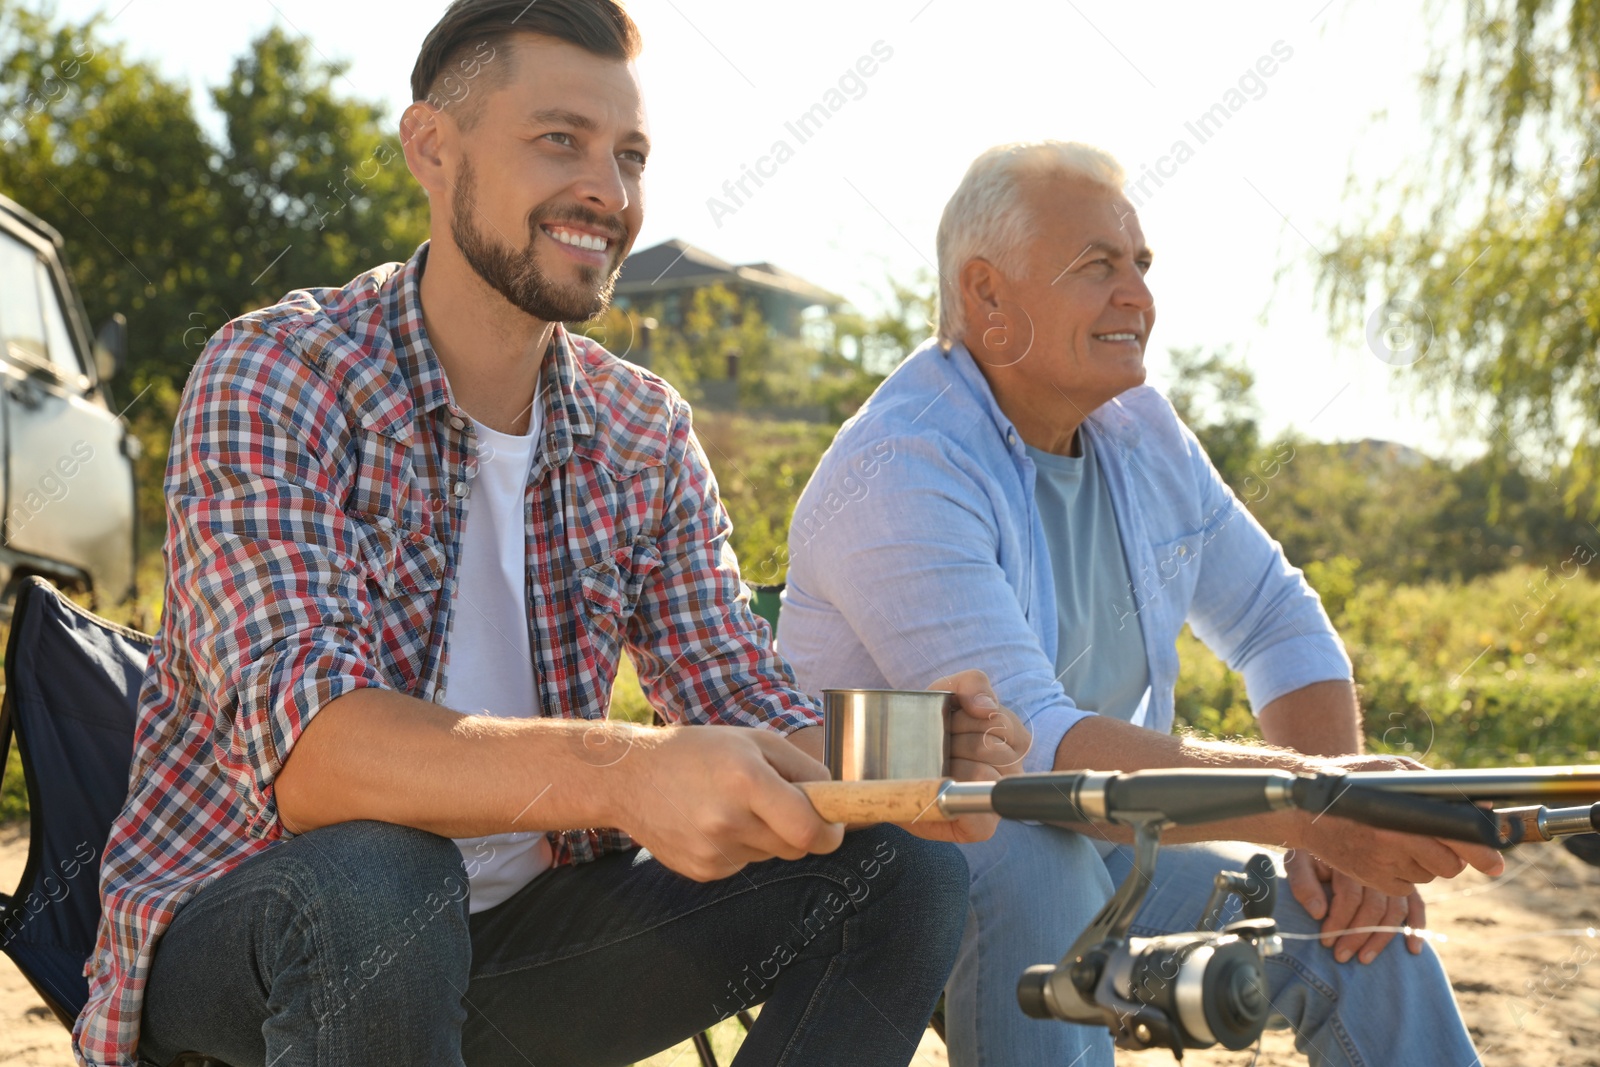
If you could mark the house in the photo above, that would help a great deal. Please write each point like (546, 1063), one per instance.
(658, 281)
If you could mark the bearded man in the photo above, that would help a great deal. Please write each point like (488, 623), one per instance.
(377, 814)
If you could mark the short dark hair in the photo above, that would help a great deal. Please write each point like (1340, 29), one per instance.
(452, 54)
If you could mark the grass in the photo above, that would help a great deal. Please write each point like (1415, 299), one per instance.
(726, 1037)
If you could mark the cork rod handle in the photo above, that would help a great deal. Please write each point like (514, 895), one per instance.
(1529, 818)
(910, 800)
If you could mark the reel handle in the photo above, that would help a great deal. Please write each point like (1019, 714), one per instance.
(1262, 878)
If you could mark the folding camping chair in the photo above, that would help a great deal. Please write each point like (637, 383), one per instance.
(72, 691)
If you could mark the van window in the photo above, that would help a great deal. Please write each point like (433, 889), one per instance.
(57, 335)
(21, 319)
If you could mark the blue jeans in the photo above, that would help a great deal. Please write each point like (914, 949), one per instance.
(1034, 889)
(352, 944)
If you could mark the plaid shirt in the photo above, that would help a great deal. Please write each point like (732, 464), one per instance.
(314, 498)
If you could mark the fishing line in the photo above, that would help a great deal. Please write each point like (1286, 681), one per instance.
(1444, 938)
(1503, 880)
(1532, 861)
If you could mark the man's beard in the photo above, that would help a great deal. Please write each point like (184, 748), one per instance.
(515, 273)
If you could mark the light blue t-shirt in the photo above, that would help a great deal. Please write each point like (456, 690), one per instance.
(1100, 656)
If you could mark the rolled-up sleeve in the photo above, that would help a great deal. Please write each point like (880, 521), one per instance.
(262, 561)
(1251, 606)
(900, 537)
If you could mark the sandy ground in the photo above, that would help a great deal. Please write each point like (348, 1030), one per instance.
(1527, 978)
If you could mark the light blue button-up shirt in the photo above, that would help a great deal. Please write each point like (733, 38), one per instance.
(917, 551)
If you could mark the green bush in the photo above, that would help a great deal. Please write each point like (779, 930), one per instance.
(627, 699)
(13, 795)
(1210, 699)
(1492, 672)
(1489, 672)
(761, 467)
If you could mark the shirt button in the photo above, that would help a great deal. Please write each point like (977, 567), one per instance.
(1011, 437)
(462, 489)
(459, 424)
(438, 697)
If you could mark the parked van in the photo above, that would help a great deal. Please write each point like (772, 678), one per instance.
(66, 455)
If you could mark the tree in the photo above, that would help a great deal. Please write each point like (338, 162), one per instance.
(317, 188)
(1493, 246)
(878, 342)
(102, 147)
(176, 232)
(1390, 512)
(1212, 395)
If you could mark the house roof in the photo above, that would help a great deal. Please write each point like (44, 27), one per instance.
(678, 264)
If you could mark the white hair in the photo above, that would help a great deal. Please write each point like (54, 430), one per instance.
(988, 218)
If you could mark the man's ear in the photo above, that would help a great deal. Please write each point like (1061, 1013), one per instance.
(980, 295)
(423, 138)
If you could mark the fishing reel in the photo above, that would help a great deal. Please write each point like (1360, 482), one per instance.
(1196, 989)
(1206, 987)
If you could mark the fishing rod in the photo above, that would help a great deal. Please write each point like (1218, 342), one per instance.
(1412, 802)
(1207, 987)
(1532, 783)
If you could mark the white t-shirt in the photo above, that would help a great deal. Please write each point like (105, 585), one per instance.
(491, 663)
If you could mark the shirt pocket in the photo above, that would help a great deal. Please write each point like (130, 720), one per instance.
(1171, 576)
(610, 591)
(403, 570)
(419, 567)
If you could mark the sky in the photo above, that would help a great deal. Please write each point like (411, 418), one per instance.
(1315, 93)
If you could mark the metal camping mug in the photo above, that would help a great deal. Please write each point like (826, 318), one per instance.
(886, 733)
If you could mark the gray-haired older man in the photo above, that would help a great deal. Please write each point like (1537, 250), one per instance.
(1036, 511)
